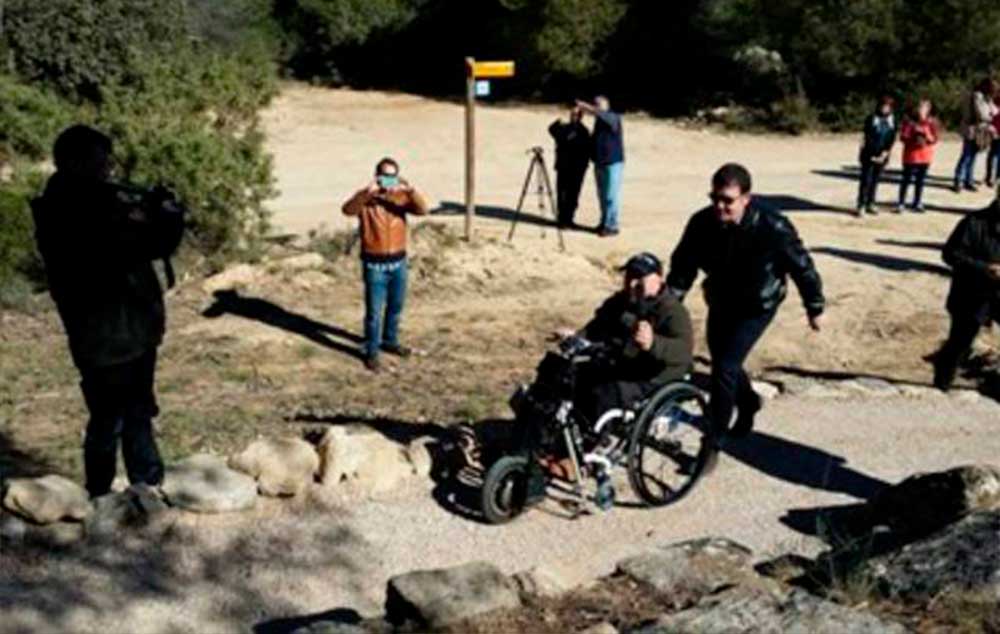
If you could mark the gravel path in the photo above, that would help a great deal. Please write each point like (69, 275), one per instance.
(229, 573)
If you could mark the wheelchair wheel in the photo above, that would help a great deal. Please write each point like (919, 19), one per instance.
(505, 489)
(668, 448)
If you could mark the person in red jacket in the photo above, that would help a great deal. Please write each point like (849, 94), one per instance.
(919, 136)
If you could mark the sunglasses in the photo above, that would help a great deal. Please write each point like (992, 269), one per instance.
(722, 198)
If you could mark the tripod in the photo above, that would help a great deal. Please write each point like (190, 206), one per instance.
(543, 188)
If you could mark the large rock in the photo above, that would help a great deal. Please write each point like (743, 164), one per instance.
(301, 262)
(795, 612)
(231, 279)
(47, 499)
(136, 507)
(363, 459)
(699, 567)
(438, 598)
(963, 556)
(15, 531)
(924, 503)
(541, 582)
(281, 466)
(204, 484)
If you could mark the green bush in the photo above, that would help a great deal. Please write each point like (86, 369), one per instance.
(20, 265)
(30, 119)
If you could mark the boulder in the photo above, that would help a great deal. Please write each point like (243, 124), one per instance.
(204, 484)
(600, 628)
(699, 567)
(964, 556)
(794, 612)
(330, 627)
(766, 390)
(136, 507)
(230, 279)
(438, 598)
(302, 262)
(47, 499)
(927, 502)
(419, 455)
(16, 531)
(363, 459)
(871, 387)
(281, 466)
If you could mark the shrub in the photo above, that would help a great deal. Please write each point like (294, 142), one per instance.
(20, 265)
(30, 119)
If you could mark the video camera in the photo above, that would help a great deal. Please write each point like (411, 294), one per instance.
(150, 202)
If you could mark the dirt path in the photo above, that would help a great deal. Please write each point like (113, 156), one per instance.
(224, 574)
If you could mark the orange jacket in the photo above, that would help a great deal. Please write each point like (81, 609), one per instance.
(382, 219)
(919, 139)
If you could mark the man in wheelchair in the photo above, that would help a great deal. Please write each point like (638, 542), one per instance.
(648, 337)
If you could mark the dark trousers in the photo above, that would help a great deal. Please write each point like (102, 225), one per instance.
(956, 349)
(569, 181)
(993, 161)
(966, 164)
(597, 397)
(122, 405)
(871, 172)
(730, 340)
(917, 174)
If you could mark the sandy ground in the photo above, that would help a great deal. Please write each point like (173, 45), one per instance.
(481, 312)
(885, 282)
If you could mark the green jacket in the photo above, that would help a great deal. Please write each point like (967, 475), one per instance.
(670, 358)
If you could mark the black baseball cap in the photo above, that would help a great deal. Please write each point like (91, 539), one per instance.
(642, 264)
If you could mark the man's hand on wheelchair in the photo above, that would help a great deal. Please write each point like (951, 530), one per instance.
(643, 335)
(562, 334)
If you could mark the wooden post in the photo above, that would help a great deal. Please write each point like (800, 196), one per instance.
(470, 145)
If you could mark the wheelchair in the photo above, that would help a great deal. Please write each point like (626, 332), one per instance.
(662, 441)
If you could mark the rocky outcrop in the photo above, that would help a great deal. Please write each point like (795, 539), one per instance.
(46, 500)
(793, 612)
(443, 597)
(697, 567)
(136, 507)
(281, 466)
(367, 462)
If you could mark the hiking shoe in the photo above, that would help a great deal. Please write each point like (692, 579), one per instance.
(871, 211)
(396, 349)
(373, 364)
(956, 188)
(970, 187)
(604, 232)
(744, 421)
(919, 209)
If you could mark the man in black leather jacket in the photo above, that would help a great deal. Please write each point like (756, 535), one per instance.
(973, 252)
(746, 251)
(98, 242)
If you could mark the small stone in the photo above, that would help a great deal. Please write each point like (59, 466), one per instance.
(281, 466)
(767, 391)
(364, 459)
(540, 582)
(600, 628)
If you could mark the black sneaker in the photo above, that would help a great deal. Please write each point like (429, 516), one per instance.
(396, 349)
(970, 187)
(744, 421)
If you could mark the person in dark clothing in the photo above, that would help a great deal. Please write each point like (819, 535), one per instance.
(609, 161)
(879, 137)
(573, 148)
(650, 335)
(98, 241)
(746, 251)
(973, 252)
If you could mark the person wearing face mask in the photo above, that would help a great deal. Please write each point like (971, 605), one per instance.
(382, 208)
(649, 332)
(746, 251)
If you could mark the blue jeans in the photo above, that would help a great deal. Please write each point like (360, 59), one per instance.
(609, 188)
(966, 163)
(385, 292)
(915, 173)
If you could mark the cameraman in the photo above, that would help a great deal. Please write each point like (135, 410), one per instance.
(98, 247)
(649, 333)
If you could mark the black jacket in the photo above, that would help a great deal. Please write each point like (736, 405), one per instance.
(972, 246)
(573, 146)
(879, 135)
(746, 265)
(99, 266)
(671, 356)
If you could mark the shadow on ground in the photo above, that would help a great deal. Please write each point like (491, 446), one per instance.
(254, 308)
(794, 204)
(504, 214)
(882, 261)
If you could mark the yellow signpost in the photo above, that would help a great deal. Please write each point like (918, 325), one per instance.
(476, 71)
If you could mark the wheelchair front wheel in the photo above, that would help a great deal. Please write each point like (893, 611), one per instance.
(669, 444)
(505, 489)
